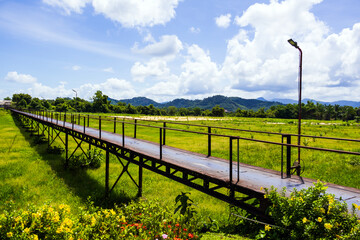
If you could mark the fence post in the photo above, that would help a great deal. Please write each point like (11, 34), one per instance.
(135, 125)
(114, 124)
(161, 143)
(100, 127)
(209, 141)
(164, 133)
(288, 156)
(123, 133)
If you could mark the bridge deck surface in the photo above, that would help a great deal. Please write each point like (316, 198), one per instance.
(251, 177)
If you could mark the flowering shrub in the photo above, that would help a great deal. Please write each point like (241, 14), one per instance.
(310, 214)
(138, 220)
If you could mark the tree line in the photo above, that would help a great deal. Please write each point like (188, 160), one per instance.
(101, 104)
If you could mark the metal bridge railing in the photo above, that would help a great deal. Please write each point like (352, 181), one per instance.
(55, 117)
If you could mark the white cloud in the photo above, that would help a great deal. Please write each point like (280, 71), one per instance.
(156, 67)
(194, 30)
(169, 45)
(75, 67)
(68, 6)
(259, 58)
(20, 78)
(109, 70)
(200, 75)
(113, 87)
(223, 21)
(47, 92)
(137, 13)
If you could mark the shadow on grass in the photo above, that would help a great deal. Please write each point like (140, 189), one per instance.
(79, 181)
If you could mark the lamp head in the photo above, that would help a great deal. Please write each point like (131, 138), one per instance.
(293, 43)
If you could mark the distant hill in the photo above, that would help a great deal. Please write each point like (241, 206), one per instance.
(341, 102)
(229, 103)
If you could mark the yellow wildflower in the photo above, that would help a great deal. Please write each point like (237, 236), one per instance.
(322, 210)
(328, 226)
(267, 228)
(68, 222)
(59, 230)
(18, 219)
(56, 218)
(112, 212)
(9, 234)
(304, 220)
(122, 219)
(261, 188)
(93, 221)
(35, 237)
(319, 219)
(26, 230)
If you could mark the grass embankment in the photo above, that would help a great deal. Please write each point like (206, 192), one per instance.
(32, 176)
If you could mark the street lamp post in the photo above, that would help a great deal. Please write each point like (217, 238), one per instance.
(75, 97)
(294, 44)
(75, 94)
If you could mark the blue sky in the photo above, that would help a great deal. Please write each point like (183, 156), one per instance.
(167, 49)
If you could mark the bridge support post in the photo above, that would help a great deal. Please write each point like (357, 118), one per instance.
(141, 160)
(107, 167)
(66, 149)
(209, 141)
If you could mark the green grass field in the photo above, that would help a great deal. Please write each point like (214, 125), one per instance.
(31, 175)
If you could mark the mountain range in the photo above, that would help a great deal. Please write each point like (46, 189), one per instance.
(228, 103)
(291, 101)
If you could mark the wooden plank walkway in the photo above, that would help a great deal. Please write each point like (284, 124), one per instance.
(251, 177)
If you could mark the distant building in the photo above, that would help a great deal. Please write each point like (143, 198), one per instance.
(5, 103)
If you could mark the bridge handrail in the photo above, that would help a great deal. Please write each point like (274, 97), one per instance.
(107, 118)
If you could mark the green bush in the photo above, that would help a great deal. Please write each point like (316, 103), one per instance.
(310, 214)
(92, 159)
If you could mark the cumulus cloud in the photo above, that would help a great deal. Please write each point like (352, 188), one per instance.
(137, 13)
(20, 78)
(169, 45)
(47, 92)
(134, 13)
(200, 75)
(259, 58)
(113, 87)
(156, 68)
(223, 21)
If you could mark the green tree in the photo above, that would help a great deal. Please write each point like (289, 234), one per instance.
(172, 110)
(17, 98)
(218, 111)
(100, 102)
